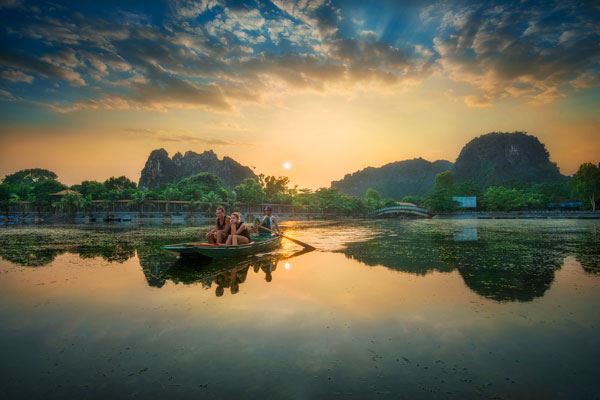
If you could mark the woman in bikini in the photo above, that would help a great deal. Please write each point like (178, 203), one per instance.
(239, 233)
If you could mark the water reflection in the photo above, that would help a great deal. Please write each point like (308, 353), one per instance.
(224, 275)
(497, 263)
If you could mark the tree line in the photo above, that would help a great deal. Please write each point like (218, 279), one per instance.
(583, 186)
(38, 186)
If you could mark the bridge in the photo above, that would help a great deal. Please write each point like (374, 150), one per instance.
(402, 209)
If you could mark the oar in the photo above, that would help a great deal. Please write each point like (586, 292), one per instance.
(305, 245)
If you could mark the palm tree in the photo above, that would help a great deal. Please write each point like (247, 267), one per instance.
(139, 199)
(232, 200)
(212, 199)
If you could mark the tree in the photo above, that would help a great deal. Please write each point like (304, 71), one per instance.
(41, 193)
(69, 203)
(212, 200)
(92, 188)
(250, 191)
(586, 183)
(120, 183)
(441, 198)
(139, 198)
(417, 200)
(373, 199)
(196, 186)
(30, 176)
(276, 189)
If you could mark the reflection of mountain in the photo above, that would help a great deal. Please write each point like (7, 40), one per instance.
(515, 265)
(507, 268)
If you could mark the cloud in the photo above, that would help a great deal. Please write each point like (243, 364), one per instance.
(478, 101)
(217, 55)
(41, 67)
(488, 48)
(6, 95)
(179, 135)
(16, 76)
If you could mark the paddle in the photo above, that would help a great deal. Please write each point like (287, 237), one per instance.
(305, 245)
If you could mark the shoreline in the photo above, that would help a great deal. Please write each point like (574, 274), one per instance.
(127, 218)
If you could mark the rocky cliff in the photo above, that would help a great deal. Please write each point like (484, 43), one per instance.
(160, 169)
(501, 158)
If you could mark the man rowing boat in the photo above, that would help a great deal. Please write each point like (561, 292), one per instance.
(269, 222)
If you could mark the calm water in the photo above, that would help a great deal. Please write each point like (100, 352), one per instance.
(386, 309)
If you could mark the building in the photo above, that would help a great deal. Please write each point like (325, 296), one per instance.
(465, 201)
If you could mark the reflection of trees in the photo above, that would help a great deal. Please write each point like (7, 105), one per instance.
(511, 265)
(114, 252)
(30, 256)
(587, 252)
(403, 248)
(38, 250)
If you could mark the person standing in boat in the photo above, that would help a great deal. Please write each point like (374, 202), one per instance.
(268, 221)
(218, 234)
(239, 233)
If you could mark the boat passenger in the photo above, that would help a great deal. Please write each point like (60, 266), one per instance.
(218, 234)
(268, 221)
(239, 232)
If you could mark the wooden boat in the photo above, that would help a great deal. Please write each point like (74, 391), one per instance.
(257, 246)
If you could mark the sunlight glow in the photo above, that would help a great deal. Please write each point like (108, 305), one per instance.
(287, 165)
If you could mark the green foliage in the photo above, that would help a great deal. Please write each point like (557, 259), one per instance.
(120, 188)
(71, 203)
(331, 200)
(498, 198)
(212, 200)
(41, 194)
(373, 199)
(586, 183)
(4, 193)
(91, 188)
(195, 187)
(120, 183)
(468, 188)
(250, 191)
(441, 198)
(417, 200)
(29, 177)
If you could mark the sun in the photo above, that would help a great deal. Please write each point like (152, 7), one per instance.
(287, 165)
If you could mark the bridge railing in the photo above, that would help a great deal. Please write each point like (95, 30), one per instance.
(413, 209)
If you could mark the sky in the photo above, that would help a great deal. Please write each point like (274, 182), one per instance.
(310, 89)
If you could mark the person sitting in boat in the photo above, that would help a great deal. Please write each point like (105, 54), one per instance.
(268, 221)
(218, 234)
(239, 232)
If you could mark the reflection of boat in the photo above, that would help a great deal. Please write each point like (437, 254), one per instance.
(221, 251)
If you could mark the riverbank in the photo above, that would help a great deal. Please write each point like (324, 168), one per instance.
(181, 218)
(555, 214)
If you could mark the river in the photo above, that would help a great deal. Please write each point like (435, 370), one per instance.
(382, 309)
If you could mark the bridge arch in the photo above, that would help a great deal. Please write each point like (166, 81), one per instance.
(402, 209)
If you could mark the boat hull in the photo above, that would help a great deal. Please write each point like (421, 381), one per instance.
(222, 251)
